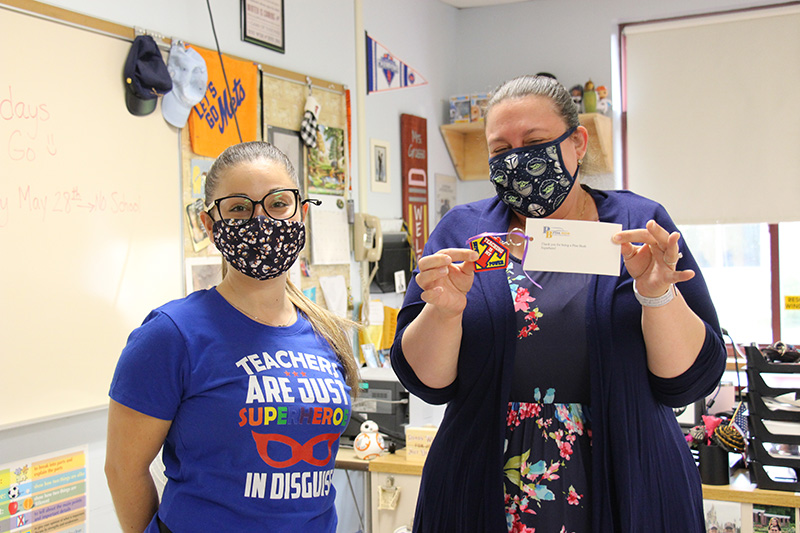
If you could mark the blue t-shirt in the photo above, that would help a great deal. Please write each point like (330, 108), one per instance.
(256, 414)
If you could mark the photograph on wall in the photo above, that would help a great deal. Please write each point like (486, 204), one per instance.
(727, 517)
(774, 519)
(203, 273)
(197, 231)
(379, 165)
(290, 143)
(326, 164)
(445, 194)
(200, 168)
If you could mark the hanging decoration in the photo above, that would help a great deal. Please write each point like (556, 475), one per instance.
(414, 168)
(228, 112)
(386, 72)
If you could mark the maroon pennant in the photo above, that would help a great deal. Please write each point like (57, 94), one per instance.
(414, 167)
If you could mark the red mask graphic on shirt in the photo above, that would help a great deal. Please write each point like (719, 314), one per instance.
(300, 452)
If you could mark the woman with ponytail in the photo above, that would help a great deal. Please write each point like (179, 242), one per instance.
(247, 386)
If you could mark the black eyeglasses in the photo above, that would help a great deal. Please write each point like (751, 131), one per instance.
(280, 204)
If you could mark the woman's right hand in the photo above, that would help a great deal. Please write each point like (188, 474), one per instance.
(445, 279)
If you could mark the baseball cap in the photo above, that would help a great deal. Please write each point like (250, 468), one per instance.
(189, 76)
(145, 75)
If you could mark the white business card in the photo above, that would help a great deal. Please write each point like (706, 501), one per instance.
(576, 246)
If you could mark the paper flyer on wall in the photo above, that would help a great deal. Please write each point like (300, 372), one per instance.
(45, 493)
(330, 237)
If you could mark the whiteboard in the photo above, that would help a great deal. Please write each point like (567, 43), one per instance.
(90, 216)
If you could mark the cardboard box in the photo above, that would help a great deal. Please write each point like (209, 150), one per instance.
(477, 106)
(418, 442)
(459, 108)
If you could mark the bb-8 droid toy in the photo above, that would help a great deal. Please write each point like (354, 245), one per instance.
(369, 443)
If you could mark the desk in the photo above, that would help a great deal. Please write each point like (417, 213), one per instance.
(744, 495)
(406, 475)
(386, 470)
(743, 491)
(346, 460)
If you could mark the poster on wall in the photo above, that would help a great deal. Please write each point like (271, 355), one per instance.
(45, 493)
(262, 23)
(414, 168)
(326, 166)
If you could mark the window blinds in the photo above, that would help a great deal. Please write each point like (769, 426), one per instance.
(712, 110)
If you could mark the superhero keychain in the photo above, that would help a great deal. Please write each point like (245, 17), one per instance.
(493, 253)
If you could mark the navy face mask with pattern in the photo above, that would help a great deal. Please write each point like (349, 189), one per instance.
(533, 180)
(261, 248)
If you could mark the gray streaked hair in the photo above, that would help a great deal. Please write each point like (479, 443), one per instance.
(537, 86)
(247, 152)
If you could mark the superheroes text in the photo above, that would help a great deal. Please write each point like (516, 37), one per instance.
(283, 415)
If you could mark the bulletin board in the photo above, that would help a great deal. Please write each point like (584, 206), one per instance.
(90, 227)
(283, 97)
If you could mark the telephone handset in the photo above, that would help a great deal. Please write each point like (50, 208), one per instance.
(367, 238)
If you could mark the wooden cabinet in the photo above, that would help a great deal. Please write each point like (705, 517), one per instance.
(466, 144)
(467, 147)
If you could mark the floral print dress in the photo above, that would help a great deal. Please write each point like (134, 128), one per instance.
(548, 437)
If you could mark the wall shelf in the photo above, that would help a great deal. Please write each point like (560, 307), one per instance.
(466, 145)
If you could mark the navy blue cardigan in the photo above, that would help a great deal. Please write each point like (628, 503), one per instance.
(643, 474)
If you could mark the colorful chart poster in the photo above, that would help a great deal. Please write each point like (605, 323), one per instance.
(44, 494)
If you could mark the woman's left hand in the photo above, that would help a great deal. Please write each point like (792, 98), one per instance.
(653, 263)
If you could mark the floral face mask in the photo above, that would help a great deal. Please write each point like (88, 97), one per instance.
(261, 248)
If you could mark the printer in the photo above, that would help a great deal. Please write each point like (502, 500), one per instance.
(385, 401)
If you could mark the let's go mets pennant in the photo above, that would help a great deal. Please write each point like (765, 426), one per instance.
(212, 125)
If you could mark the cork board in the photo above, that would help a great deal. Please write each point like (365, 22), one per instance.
(283, 97)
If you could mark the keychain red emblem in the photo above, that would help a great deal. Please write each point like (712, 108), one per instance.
(493, 254)
(493, 250)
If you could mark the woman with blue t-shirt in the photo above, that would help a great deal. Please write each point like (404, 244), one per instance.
(246, 385)
(559, 385)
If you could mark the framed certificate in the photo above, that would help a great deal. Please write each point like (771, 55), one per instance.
(262, 23)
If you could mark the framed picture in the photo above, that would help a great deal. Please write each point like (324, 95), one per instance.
(379, 165)
(445, 194)
(326, 164)
(197, 231)
(728, 517)
(290, 143)
(203, 273)
(262, 23)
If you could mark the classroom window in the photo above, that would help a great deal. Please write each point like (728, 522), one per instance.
(788, 240)
(735, 262)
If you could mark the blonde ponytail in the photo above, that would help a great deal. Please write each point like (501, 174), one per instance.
(334, 329)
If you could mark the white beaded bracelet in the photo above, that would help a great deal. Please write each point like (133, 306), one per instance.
(659, 301)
